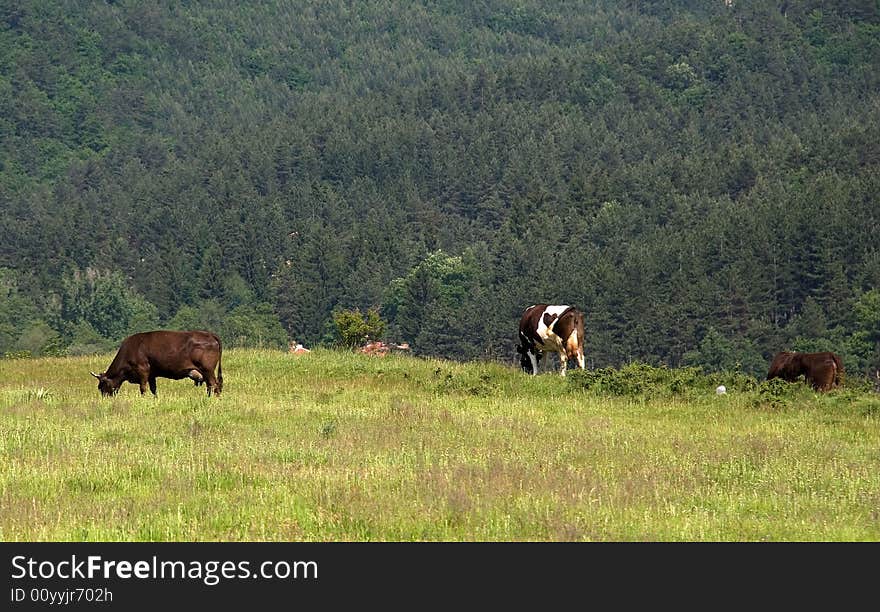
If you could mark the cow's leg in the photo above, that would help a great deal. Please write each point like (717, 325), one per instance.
(152, 381)
(141, 377)
(563, 362)
(211, 383)
(824, 378)
(575, 349)
(534, 359)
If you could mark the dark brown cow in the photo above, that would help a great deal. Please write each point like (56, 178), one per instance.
(823, 371)
(144, 357)
(557, 328)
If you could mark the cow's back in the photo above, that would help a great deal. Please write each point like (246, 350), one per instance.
(172, 351)
(570, 321)
(528, 323)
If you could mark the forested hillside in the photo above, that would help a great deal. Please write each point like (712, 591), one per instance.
(700, 179)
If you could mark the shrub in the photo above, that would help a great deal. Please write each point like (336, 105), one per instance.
(775, 393)
(632, 379)
(353, 328)
(636, 379)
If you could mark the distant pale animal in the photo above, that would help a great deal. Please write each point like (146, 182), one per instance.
(298, 349)
(555, 328)
(144, 357)
(822, 371)
(377, 348)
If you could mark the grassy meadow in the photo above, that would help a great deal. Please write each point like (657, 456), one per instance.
(337, 446)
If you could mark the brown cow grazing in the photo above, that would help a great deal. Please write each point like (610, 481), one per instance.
(823, 370)
(546, 327)
(143, 357)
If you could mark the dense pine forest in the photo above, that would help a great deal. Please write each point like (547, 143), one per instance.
(701, 178)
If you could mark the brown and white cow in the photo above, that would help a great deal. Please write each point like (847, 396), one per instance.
(143, 357)
(556, 328)
(822, 371)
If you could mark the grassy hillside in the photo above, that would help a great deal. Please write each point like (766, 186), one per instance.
(337, 446)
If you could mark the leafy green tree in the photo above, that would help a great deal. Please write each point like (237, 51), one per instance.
(106, 302)
(810, 322)
(16, 311)
(144, 315)
(253, 326)
(83, 339)
(718, 353)
(437, 306)
(209, 315)
(307, 285)
(211, 274)
(867, 333)
(39, 339)
(353, 328)
(867, 311)
(236, 291)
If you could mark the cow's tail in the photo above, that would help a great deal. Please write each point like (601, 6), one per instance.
(219, 365)
(580, 332)
(838, 371)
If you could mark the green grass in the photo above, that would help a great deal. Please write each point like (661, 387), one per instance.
(336, 446)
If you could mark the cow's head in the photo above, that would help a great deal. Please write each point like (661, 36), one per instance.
(106, 385)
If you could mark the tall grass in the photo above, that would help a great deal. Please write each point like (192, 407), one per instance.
(339, 446)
